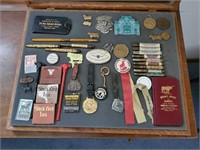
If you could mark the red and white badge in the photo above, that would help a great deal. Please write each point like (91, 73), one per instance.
(122, 65)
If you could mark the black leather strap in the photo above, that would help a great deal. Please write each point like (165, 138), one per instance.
(114, 85)
(90, 85)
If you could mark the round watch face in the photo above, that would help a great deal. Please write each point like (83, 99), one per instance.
(100, 93)
(122, 65)
(145, 81)
(90, 106)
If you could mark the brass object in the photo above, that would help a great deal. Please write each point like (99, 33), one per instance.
(93, 35)
(149, 23)
(165, 36)
(69, 50)
(90, 105)
(163, 23)
(62, 40)
(87, 23)
(121, 50)
(78, 45)
(87, 17)
(42, 45)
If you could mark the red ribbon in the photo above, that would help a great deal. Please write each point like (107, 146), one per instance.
(128, 99)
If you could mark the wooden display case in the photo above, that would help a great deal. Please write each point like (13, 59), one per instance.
(116, 8)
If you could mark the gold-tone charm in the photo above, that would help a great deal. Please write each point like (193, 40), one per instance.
(165, 36)
(93, 35)
(149, 23)
(90, 106)
(87, 17)
(87, 23)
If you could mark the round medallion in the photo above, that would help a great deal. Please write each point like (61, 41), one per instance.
(100, 93)
(163, 23)
(98, 56)
(121, 50)
(145, 81)
(52, 58)
(90, 106)
(165, 36)
(149, 23)
(122, 65)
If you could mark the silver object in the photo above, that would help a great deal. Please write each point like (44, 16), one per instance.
(104, 24)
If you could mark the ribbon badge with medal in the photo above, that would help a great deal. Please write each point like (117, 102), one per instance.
(123, 66)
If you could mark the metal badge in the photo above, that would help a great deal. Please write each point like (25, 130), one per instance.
(122, 65)
(149, 23)
(90, 106)
(104, 24)
(118, 105)
(126, 26)
(121, 50)
(98, 56)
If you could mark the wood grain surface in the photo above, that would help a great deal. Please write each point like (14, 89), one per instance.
(12, 24)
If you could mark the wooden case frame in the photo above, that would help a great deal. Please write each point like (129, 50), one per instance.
(129, 133)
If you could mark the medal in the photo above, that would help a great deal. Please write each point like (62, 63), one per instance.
(90, 105)
(100, 93)
(123, 66)
(163, 23)
(149, 23)
(121, 50)
(165, 36)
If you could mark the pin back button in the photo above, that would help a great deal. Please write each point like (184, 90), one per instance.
(122, 65)
(145, 81)
(52, 58)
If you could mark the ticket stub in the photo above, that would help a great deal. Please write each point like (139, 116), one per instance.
(72, 102)
(24, 109)
(29, 64)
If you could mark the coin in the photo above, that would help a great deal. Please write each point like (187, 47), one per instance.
(149, 23)
(163, 23)
(165, 36)
(121, 50)
(90, 106)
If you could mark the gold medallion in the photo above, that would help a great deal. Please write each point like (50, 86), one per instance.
(90, 106)
(149, 23)
(165, 36)
(121, 50)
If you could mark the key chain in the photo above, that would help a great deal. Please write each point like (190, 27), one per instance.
(101, 93)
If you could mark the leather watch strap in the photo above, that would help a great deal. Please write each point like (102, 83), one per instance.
(90, 85)
(114, 85)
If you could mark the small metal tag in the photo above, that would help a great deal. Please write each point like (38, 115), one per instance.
(100, 93)
(118, 105)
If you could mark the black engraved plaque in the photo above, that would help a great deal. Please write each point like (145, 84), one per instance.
(51, 25)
